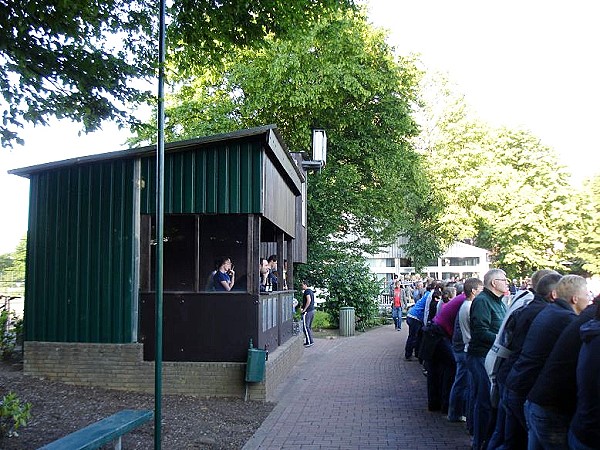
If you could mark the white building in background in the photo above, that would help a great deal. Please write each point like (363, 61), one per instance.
(460, 260)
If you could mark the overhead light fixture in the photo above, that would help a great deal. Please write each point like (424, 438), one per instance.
(319, 150)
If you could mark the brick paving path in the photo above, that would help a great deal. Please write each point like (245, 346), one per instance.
(357, 393)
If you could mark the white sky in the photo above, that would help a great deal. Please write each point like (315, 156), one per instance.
(532, 64)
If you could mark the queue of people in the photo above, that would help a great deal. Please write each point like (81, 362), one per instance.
(521, 369)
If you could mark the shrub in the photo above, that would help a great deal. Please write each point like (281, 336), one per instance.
(7, 333)
(13, 414)
(351, 284)
(321, 321)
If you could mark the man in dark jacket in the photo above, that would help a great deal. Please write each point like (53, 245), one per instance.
(308, 313)
(555, 389)
(487, 313)
(512, 433)
(585, 426)
(571, 291)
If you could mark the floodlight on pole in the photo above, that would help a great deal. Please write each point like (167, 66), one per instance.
(319, 150)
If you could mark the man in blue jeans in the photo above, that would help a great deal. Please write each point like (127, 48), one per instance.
(458, 406)
(397, 306)
(547, 427)
(487, 313)
(308, 313)
(511, 430)
(414, 319)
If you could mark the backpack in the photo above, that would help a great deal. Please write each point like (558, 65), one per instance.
(432, 334)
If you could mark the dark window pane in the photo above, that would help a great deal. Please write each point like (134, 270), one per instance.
(223, 236)
(179, 253)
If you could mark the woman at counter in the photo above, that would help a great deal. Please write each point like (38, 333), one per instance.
(224, 277)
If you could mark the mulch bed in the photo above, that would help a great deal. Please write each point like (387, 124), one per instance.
(187, 422)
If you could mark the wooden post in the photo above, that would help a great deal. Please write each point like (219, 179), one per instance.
(280, 258)
(290, 265)
(253, 251)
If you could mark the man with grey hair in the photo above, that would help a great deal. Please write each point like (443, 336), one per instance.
(556, 387)
(548, 428)
(510, 429)
(523, 298)
(543, 425)
(487, 313)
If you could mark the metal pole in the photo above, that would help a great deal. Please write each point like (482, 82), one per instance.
(160, 216)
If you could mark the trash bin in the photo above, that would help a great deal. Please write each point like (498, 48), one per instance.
(255, 365)
(347, 321)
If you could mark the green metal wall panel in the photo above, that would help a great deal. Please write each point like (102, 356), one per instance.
(223, 179)
(79, 284)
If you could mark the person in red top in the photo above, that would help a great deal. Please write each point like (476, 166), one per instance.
(397, 306)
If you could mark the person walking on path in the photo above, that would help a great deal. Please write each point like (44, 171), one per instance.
(308, 313)
(397, 306)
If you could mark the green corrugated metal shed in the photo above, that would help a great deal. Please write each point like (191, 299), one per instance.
(80, 263)
(213, 180)
(83, 238)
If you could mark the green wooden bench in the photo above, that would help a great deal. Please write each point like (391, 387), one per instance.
(102, 432)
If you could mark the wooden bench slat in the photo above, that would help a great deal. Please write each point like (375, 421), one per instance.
(102, 432)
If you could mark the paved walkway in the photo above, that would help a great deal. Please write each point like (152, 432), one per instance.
(357, 393)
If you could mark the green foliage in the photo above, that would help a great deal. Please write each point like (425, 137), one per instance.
(502, 188)
(532, 219)
(12, 265)
(589, 212)
(321, 320)
(340, 75)
(9, 327)
(84, 60)
(73, 60)
(13, 414)
(384, 318)
(351, 284)
(206, 31)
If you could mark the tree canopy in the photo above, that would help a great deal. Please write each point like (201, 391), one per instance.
(80, 60)
(73, 60)
(304, 64)
(504, 190)
(12, 265)
(339, 75)
(588, 242)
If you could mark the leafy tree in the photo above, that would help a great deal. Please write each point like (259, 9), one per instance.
(455, 145)
(203, 32)
(342, 76)
(79, 60)
(531, 231)
(504, 190)
(5, 262)
(12, 265)
(588, 255)
(73, 60)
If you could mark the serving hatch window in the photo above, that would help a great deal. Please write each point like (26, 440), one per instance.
(192, 244)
